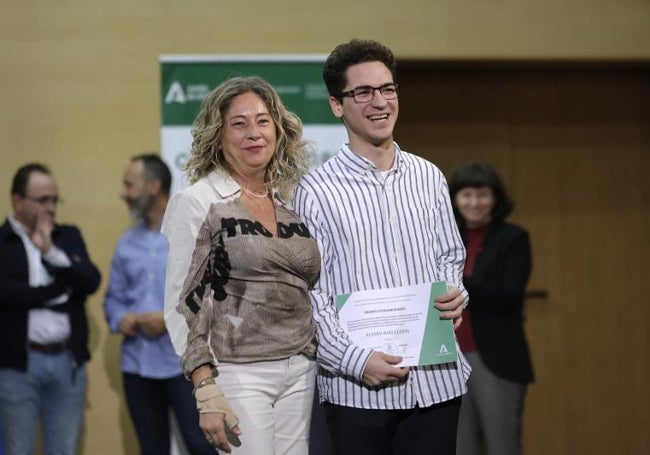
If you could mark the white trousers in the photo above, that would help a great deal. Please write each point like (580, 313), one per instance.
(273, 401)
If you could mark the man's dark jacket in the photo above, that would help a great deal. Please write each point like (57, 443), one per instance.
(17, 297)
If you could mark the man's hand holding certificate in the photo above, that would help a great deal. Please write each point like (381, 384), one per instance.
(400, 321)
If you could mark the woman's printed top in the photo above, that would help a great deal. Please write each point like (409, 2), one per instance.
(234, 292)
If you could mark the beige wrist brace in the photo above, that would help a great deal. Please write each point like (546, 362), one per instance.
(209, 398)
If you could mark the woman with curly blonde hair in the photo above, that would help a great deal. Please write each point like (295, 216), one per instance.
(240, 266)
(287, 165)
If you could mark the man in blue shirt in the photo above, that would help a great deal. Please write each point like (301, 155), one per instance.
(153, 381)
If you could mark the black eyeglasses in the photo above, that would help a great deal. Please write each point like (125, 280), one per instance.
(46, 200)
(365, 93)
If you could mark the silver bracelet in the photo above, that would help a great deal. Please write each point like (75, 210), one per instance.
(208, 380)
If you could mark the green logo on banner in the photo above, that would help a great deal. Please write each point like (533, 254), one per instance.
(185, 84)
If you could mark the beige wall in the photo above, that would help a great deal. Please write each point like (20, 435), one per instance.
(80, 83)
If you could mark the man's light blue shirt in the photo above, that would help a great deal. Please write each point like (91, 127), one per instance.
(137, 284)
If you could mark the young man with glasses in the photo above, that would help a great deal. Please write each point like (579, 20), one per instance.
(383, 219)
(45, 277)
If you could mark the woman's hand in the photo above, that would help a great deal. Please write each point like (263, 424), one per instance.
(217, 420)
(217, 432)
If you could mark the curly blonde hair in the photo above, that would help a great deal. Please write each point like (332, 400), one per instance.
(289, 161)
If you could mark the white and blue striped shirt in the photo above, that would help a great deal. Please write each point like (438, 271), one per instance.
(378, 231)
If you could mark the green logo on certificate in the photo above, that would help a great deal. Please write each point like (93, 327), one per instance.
(400, 321)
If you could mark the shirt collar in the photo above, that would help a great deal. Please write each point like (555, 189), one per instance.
(226, 187)
(18, 227)
(223, 184)
(362, 165)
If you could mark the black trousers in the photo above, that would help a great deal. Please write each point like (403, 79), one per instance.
(149, 401)
(419, 431)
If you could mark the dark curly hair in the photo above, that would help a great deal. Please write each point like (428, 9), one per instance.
(351, 53)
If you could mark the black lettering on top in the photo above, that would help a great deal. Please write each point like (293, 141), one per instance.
(220, 270)
(217, 273)
(286, 231)
(230, 225)
(247, 227)
(251, 227)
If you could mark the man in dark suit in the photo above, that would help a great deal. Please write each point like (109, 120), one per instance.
(45, 277)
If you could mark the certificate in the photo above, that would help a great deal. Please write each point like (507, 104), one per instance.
(400, 321)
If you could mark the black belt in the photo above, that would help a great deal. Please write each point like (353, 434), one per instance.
(49, 348)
